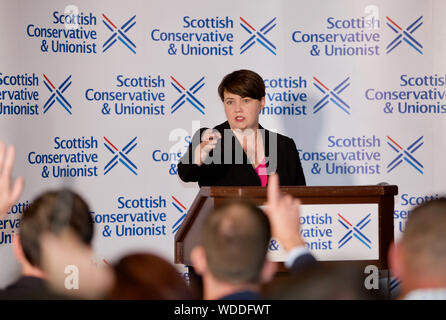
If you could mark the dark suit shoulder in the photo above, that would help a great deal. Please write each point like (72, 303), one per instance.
(284, 143)
(304, 262)
(243, 295)
(280, 137)
(27, 288)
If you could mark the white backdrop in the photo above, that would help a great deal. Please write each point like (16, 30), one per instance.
(359, 86)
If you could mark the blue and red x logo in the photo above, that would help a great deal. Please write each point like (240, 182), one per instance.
(394, 283)
(57, 94)
(331, 95)
(181, 208)
(187, 95)
(120, 156)
(119, 33)
(354, 231)
(404, 35)
(405, 154)
(258, 36)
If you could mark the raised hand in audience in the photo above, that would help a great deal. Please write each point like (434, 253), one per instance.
(9, 193)
(283, 212)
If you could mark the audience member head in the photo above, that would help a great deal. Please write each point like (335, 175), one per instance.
(419, 258)
(322, 282)
(147, 277)
(49, 214)
(235, 243)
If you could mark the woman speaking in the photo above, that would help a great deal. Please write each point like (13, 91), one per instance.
(240, 152)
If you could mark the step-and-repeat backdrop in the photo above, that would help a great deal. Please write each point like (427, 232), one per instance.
(103, 97)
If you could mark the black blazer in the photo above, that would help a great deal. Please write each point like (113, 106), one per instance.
(226, 173)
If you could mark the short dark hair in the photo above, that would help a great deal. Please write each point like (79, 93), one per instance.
(235, 238)
(424, 238)
(45, 213)
(245, 83)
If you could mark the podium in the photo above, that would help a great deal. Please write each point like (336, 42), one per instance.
(370, 236)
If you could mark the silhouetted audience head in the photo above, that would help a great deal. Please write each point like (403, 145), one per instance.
(48, 216)
(419, 258)
(147, 276)
(235, 238)
(323, 282)
(234, 247)
(50, 213)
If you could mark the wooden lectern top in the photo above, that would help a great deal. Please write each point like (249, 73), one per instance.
(189, 234)
(314, 191)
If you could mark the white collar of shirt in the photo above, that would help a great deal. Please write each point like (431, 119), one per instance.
(427, 294)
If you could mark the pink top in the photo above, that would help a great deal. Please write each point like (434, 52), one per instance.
(261, 172)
